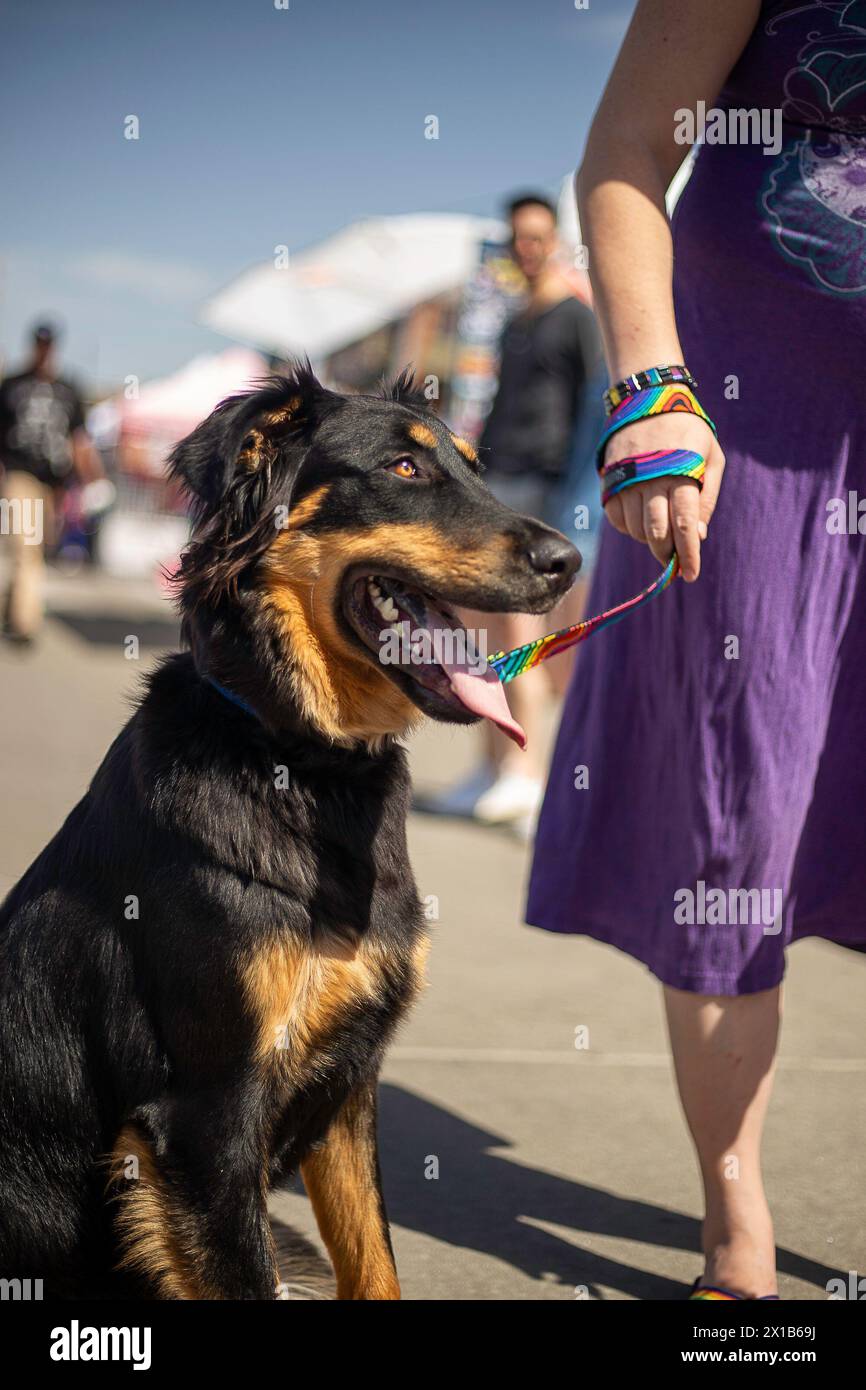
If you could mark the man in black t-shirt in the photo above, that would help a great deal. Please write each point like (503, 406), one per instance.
(40, 413)
(41, 435)
(548, 352)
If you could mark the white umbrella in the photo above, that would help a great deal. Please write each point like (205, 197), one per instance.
(362, 278)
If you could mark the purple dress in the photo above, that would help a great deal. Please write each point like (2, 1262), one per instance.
(707, 795)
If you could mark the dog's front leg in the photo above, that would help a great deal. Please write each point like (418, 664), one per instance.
(191, 1211)
(342, 1178)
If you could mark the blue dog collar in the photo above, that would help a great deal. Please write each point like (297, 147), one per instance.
(231, 697)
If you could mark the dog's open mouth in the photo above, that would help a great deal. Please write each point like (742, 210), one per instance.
(419, 639)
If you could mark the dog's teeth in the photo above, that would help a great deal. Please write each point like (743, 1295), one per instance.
(383, 604)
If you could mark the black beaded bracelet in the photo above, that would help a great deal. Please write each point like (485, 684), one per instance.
(641, 381)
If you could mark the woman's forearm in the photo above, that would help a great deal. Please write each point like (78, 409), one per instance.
(671, 58)
(621, 195)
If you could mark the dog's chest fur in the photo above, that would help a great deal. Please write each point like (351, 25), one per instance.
(300, 854)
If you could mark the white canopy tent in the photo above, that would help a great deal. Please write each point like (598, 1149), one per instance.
(148, 528)
(171, 406)
(355, 282)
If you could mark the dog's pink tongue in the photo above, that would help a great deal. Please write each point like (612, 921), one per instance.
(480, 690)
(484, 694)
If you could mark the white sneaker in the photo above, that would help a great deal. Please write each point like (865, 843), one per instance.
(461, 799)
(525, 827)
(512, 797)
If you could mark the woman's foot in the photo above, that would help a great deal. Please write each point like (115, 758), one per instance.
(491, 796)
(513, 798)
(743, 1261)
(459, 799)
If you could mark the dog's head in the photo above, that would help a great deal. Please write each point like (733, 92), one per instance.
(333, 537)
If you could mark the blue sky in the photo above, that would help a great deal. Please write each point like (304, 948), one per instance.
(259, 126)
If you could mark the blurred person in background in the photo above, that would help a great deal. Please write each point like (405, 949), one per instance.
(43, 445)
(578, 513)
(549, 350)
(719, 728)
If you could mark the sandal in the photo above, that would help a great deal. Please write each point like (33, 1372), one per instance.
(715, 1291)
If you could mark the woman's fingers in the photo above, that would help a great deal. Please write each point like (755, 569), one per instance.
(657, 522)
(685, 516)
(614, 513)
(712, 483)
(632, 505)
(667, 513)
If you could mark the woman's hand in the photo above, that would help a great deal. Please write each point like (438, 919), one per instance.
(668, 513)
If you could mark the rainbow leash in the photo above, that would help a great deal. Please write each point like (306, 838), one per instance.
(508, 665)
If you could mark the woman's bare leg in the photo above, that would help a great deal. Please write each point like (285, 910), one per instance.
(724, 1051)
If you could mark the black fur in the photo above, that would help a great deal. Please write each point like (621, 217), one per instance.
(112, 1015)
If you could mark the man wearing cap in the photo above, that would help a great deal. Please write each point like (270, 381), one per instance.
(42, 442)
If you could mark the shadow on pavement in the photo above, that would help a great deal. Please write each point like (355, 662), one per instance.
(484, 1201)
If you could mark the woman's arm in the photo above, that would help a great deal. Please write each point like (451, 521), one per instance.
(676, 53)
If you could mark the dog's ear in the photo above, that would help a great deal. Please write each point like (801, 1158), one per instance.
(405, 390)
(242, 436)
(236, 465)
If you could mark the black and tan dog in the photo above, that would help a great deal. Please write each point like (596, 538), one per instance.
(201, 971)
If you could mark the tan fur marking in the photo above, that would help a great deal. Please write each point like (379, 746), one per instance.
(253, 456)
(297, 992)
(284, 414)
(297, 995)
(340, 1179)
(150, 1221)
(464, 447)
(419, 960)
(422, 434)
(342, 693)
(304, 512)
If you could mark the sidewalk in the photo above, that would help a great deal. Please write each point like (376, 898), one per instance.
(558, 1170)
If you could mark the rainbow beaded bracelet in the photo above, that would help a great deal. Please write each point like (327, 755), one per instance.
(639, 381)
(641, 468)
(655, 400)
(681, 463)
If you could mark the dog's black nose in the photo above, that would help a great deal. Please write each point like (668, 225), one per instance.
(553, 556)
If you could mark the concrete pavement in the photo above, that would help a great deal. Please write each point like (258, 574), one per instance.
(515, 1166)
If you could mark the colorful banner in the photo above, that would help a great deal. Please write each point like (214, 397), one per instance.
(492, 295)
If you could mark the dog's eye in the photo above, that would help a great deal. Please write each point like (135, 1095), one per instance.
(403, 468)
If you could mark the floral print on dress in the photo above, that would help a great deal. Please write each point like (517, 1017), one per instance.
(816, 201)
(815, 195)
